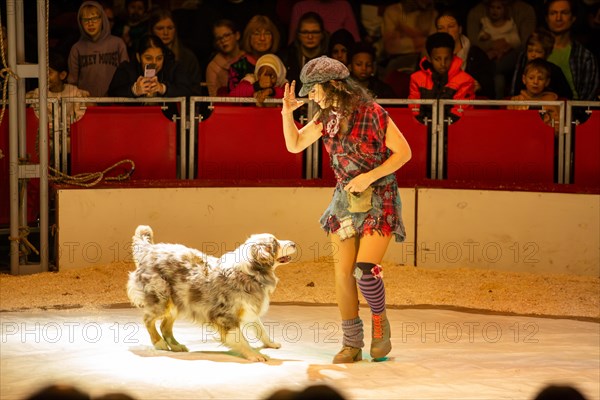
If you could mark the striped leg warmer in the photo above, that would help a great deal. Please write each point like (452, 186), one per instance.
(369, 278)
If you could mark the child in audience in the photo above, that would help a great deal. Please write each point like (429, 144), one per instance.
(162, 24)
(151, 74)
(227, 42)
(57, 89)
(94, 59)
(539, 45)
(362, 69)
(499, 29)
(536, 78)
(441, 76)
(341, 44)
(267, 81)
(499, 37)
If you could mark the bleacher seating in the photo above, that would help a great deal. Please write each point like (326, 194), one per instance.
(501, 147)
(108, 134)
(245, 142)
(586, 164)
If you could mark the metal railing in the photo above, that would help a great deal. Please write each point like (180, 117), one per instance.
(443, 119)
(569, 124)
(189, 118)
(313, 152)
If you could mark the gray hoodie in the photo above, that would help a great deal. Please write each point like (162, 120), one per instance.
(92, 63)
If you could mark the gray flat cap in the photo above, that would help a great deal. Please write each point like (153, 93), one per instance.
(319, 70)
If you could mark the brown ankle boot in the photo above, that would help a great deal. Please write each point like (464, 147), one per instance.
(380, 343)
(348, 354)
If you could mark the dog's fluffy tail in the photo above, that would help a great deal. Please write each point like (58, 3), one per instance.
(143, 237)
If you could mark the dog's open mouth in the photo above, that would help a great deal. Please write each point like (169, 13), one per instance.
(285, 259)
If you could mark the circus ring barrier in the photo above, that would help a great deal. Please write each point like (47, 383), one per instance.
(523, 226)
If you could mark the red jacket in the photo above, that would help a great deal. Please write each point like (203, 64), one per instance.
(460, 85)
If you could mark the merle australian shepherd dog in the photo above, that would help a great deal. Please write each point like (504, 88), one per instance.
(172, 280)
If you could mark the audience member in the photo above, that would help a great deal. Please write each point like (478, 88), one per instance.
(69, 392)
(441, 76)
(498, 31)
(405, 28)
(362, 69)
(520, 11)
(340, 46)
(227, 42)
(310, 43)
(500, 51)
(500, 39)
(336, 14)
(577, 63)
(110, 13)
(134, 25)
(536, 78)
(311, 392)
(260, 37)
(539, 45)
(591, 28)
(371, 20)
(475, 61)
(59, 391)
(58, 88)
(559, 392)
(151, 74)
(267, 81)
(162, 25)
(115, 396)
(95, 57)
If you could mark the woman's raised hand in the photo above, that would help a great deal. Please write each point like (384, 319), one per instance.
(290, 102)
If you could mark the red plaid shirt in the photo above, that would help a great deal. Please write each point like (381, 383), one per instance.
(363, 147)
(360, 150)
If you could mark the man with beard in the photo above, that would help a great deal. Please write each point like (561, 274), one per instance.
(577, 63)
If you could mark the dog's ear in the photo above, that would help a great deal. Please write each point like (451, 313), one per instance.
(263, 254)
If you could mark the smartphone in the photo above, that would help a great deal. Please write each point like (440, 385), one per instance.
(149, 70)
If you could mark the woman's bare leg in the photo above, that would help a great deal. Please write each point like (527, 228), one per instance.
(345, 284)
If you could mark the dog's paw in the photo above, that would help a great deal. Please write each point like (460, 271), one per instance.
(179, 348)
(161, 345)
(255, 356)
(273, 345)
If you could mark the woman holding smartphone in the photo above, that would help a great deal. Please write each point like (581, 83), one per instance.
(152, 73)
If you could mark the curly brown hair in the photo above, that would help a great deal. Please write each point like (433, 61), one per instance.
(347, 95)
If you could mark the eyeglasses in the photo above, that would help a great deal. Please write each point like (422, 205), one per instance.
(93, 20)
(307, 33)
(224, 36)
(261, 33)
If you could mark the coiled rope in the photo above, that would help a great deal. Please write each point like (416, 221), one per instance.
(89, 179)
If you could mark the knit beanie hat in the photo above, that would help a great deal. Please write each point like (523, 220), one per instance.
(320, 70)
(271, 60)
